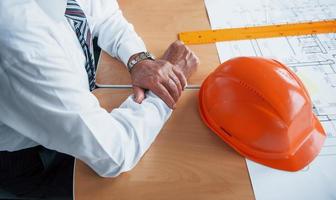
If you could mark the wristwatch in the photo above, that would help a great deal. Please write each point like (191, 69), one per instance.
(138, 58)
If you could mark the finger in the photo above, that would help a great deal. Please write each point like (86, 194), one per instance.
(178, 47)
(163, 93)
(197, 60)
(179, 42)
(139, 94)
(176, 80)
(172, 89)
(181, 77)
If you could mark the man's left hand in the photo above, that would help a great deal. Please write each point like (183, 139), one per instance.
(161, 77)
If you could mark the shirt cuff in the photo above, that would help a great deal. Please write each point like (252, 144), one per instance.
(129, 48)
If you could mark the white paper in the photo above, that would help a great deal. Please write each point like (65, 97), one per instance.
(313, 58)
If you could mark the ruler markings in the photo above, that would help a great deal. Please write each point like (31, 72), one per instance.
(257, 32)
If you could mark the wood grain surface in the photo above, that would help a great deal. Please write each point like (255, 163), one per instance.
(158, 23)
(186, 161)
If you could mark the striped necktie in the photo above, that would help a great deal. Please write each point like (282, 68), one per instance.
(79, 24)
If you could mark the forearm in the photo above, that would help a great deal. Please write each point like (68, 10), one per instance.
(115, 34)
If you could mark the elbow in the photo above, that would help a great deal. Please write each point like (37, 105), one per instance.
(116, 165)
(109, 169)
(114, 170)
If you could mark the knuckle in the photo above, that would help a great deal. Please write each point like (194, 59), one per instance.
(177, 81)
(180, 43)
(160, 73)
(177, 42)
(197, 60)
(167, 81)
(192, 54)
(173, 46)
(154, 80)
(161, 62)
(159, 92)
(165, 63)
(173, 86)
(179, 72)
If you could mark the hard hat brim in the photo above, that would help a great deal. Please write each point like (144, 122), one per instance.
(296, 160)
(304, 154)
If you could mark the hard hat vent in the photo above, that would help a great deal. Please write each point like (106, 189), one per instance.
(247, 86)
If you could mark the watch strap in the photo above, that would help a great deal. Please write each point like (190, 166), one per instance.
(138, 58)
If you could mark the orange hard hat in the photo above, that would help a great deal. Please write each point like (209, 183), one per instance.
(261, 109)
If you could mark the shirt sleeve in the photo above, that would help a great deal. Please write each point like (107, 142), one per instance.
(115, 34)
(43, 98)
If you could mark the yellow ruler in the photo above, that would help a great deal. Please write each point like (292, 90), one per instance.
(247, 33)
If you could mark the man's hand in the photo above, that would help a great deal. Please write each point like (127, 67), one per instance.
(159, 76)
(166, 77)
(181, 56)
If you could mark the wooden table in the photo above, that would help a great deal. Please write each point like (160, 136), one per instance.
(186, 161)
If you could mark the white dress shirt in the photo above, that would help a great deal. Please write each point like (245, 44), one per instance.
(44, 93)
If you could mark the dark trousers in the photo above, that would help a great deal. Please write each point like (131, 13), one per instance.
(36, 173)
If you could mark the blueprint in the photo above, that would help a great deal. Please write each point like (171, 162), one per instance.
(313, 59)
